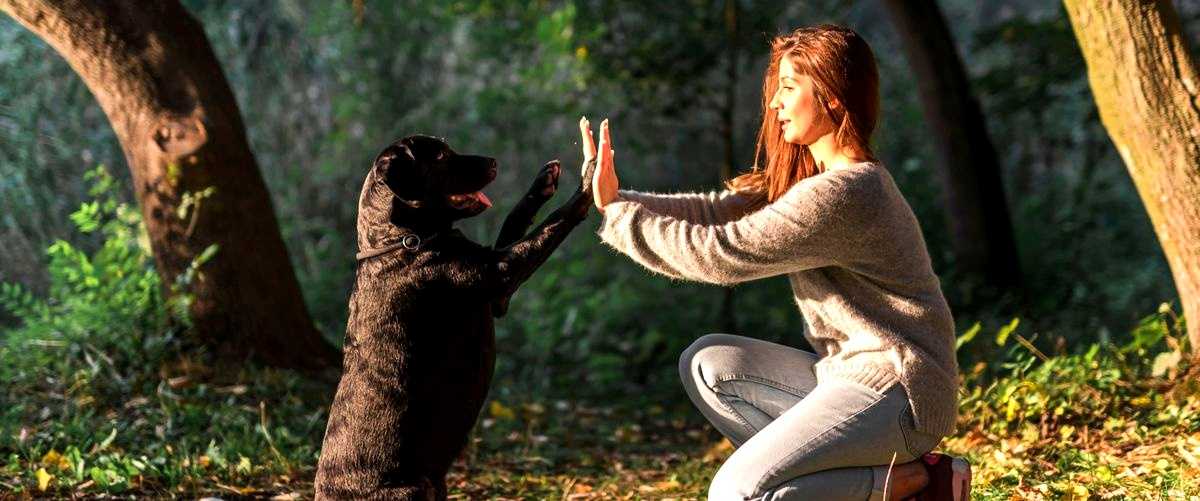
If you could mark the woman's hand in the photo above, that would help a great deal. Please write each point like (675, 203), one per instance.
(604, 180)
(604, 183)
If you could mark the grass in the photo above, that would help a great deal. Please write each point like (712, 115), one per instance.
(1096, 425)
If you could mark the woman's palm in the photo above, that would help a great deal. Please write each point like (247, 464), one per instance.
(604, 182)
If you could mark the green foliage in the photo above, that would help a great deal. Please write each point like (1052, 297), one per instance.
(1112, 420)
(102, 391)
(113, 290)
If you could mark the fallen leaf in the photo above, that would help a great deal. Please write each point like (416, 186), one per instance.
(499, 411)
(718, 451)
(43, 479)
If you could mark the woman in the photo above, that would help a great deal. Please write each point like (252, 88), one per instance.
(882, 388)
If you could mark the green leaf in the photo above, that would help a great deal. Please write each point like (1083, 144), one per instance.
(967, 336)
(1002, 336)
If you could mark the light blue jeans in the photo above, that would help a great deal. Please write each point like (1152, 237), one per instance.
(796, 439)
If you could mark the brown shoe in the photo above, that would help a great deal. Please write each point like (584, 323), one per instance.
(949, 478)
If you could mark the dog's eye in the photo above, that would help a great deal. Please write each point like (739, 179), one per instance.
(441, 155)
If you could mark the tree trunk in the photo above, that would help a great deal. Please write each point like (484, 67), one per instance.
(1145, 84)
(153, 72)
(728, 300)
(977, 213)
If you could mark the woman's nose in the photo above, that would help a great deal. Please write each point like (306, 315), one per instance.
(774, 104)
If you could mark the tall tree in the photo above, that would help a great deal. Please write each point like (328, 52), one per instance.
(1148, 93)
(154, 74)
(968, 168)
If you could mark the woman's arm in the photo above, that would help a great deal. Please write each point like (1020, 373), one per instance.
(701, 208)
(808, 227)
(715, 207)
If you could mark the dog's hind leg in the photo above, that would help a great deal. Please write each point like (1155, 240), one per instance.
(521, 218)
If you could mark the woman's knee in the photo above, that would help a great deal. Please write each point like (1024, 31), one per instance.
(698, 353)
(730, 483)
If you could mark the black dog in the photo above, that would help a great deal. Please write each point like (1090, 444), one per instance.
(420, 343)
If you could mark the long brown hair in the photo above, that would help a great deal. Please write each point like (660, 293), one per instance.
(842, 67)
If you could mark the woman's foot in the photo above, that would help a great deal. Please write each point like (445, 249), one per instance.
(949, 478)
(906, 480)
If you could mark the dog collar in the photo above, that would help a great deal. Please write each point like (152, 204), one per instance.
(408, 241)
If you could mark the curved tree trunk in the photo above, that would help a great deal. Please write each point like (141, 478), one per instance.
(153, 72)
(980, 226)
(728, 310)
(1148, 93)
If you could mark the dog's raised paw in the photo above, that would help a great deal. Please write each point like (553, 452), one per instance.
(546, 182)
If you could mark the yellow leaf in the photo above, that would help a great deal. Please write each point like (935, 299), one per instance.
(499, 411)
(1066, 431)
(1080, 491)
(718, 451)
(666, 485)
(43, 479)
(203, 461)
(53, 458)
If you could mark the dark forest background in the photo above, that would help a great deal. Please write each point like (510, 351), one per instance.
(323, 86)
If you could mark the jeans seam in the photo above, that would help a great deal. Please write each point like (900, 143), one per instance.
(795, 392)
(749, 377)
(904, 432)
(770, 472)
(729, 408)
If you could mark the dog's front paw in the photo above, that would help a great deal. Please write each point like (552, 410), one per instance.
(546, 182)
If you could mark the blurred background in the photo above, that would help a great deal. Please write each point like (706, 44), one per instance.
(89, 341)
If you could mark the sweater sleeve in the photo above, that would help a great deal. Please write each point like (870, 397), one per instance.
(805, 228)
(701, 208)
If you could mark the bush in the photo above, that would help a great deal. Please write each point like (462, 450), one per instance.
(104, 394)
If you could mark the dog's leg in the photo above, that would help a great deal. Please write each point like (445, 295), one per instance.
(521, 218)
(516, 263)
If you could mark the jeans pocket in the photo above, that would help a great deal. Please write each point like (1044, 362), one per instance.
(918, 442)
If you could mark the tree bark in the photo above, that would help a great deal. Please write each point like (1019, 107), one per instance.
(1146, 88)
(155, 76)
(977, 213)
(728, 309)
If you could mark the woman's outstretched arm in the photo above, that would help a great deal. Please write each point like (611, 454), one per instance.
(811, 226)
(715, 207)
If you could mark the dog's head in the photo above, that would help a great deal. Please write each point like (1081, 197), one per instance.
(420, 179)
(425, 174)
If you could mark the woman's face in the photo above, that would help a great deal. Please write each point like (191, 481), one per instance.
(802, 119)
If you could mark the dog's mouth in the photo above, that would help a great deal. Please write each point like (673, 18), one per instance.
(466, 200)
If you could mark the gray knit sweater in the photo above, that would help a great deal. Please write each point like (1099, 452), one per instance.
(851, 247)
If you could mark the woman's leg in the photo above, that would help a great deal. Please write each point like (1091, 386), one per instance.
(741, 384)
(822, 448)
(744, 385)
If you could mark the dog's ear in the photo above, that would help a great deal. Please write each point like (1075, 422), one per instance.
(397, 168)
